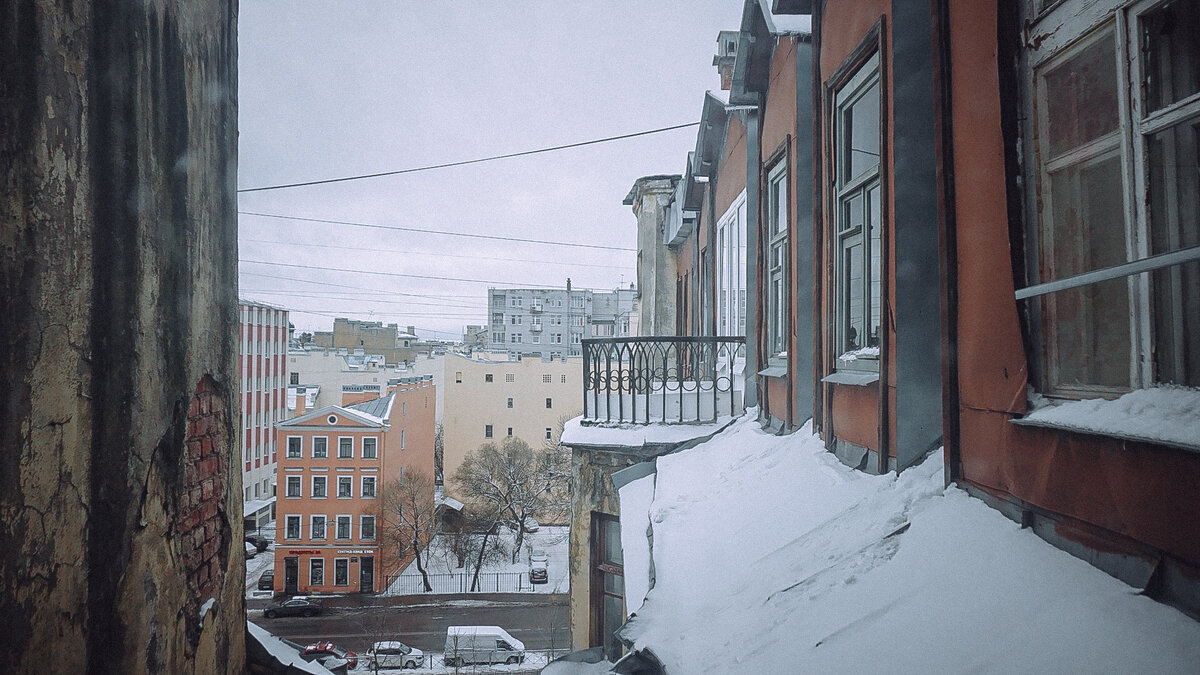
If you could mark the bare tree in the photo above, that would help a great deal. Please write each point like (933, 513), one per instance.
(408, 517)
(439, 448)
(515, 484)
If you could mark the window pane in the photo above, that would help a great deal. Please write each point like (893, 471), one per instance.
(1176, 306)
(1087, 228)
(876, 282)
(852, 315)
(1081, 96)
(320, 447)
(1088, 330)
(612, 542)
(1171, 42)
(861, 124)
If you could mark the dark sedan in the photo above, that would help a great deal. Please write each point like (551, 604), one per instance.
(293, 607)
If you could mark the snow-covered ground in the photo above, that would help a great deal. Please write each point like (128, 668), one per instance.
(260, 563)
(550, 538)
(771, 557)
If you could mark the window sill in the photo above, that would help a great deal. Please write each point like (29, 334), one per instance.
(856, 378)
(1162, 416)
(776, 367)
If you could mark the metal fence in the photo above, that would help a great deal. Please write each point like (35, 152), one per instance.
(489, 582)
(662, 379)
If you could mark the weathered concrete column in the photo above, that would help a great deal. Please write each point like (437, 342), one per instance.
(120, 523)
(657, 267)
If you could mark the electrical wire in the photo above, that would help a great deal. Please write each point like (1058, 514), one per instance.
(393, 274)
(468, 161)
(438, 254)
(427, 231)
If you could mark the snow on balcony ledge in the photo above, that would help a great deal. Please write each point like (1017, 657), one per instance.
(1164, 415)
(575, 432)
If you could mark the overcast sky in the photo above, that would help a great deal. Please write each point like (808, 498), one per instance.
(334, 89)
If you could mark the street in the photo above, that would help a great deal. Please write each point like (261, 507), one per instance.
(540, 622)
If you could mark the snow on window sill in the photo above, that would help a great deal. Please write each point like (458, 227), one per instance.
(1164, 415)
(857, 378)
(776, 366)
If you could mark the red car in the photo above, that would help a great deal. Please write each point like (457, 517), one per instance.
(324, 649)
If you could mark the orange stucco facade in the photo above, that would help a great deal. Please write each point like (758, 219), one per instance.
(334, 464)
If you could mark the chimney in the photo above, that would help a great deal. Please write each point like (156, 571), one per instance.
(300, 401)
(727, 41)
(568, 284)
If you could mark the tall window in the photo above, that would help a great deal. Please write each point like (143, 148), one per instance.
(318, 528)
(608, 582)
(487, 431)
(294, 444)
(345, 447)
(366, 528)
(777, 250)
(341, 572)
(343, 527)
(344, 486)
(318, 486)
(368, 487)
(320, 447)
(370, 448)
(292, 529)
(857, 251)
(731, 269)
(1118, 187)
(316, 571)
(293, 486)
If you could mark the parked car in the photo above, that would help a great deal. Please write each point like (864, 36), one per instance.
(260, 542)
(394, 654)
(481, 644)
(325, 650)
(250, 551)
(293, 607)
(538, 567)
(266, 581)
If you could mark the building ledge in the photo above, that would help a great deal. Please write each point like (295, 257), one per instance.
(857, 378)
(1165, 415)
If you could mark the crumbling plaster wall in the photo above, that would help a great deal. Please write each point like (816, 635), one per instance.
(119, 492)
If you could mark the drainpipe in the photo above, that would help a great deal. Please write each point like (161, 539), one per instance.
(948, 231)
(753, 159)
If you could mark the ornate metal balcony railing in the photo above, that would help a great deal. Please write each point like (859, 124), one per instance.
(676, 380)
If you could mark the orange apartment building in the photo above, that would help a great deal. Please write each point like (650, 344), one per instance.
(333, 464)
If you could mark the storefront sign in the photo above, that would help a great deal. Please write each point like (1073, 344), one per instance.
(355, 551)
(304, 551)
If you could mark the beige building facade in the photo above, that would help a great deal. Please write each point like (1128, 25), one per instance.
(487, 400)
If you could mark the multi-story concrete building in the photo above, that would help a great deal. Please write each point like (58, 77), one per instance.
(552, 322)
(337, 461)
(319, 375)
(263, 366)
(488, 400)
(373, 337)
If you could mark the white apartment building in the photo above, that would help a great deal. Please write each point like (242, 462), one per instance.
(551, 323)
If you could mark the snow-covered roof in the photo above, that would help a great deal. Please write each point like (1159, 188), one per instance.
(378, 408)
(785, 24)
(281, 652)
(253, 506)
(317, 417)
(809, 566)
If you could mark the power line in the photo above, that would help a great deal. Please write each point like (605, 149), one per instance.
(388, 274)
(427, 231)
(440, 255)
(469, 161)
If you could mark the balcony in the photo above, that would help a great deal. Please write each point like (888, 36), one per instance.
(535, 307)
(536, 327)
(671, 380)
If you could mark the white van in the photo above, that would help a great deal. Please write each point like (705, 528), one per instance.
(481, 644)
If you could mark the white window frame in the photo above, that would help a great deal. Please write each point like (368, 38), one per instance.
(364, 491)
(777, 257)
(1078, 27)
(325, 453)
(323, 481)
(362, 520)
(348, 482)
(350, 445)
(316, 531)
(731, 269)
(348, 520)
(299, 451)
(288, 520)
(344, 564)
(861, 353)
(374, 443)
(296, 482)
(314, 563)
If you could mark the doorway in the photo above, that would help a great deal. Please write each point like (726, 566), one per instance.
(291, 575)
(366, 574)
